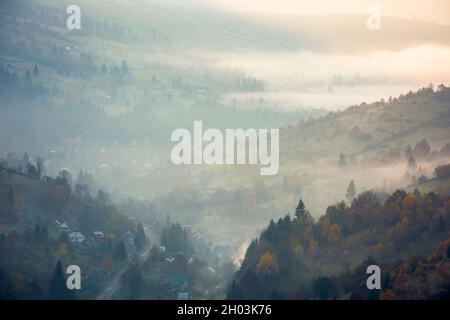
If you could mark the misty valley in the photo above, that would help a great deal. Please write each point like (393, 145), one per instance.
(194, 150)
(237, 146)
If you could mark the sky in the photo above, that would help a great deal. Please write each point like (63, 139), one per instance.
(437, 11)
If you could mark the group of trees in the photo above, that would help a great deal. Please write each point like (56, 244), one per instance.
(175, 239)
(58, 59)
(62, 59)
(23, 166)
(139, 238)
(422, 151)
(249, 84)
(293, 251)
(30, 253)
(414, 278)
(58, 288)
(27, 85)
(442, 172)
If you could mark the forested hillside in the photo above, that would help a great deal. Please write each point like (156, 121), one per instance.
(48, 222)
(295, 254)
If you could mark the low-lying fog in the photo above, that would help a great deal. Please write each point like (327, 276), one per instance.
(331, 81)
(306, 79)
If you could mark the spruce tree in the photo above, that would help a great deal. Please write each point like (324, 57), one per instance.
(139, 239)
(351, 191)
(412, 163)
(342, 162)
(58, 289)
(300, 210)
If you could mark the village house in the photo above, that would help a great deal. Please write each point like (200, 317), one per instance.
(76, 237)
(63, 226)
(99, 234)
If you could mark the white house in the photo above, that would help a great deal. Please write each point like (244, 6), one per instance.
(63, 226)
(99, 234)
(76, 237)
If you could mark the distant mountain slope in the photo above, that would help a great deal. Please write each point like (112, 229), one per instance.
(199, 26)
(349, 33)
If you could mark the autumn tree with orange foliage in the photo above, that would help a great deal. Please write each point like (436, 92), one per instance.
(267, 265)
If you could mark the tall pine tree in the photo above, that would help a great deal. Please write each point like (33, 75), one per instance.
(351, 191)
(300, 210)
(139, 239)
(58, 289)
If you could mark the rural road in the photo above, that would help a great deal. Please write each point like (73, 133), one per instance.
(114, 283)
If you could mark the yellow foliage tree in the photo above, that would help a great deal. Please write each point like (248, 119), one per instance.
(334, 234)
(62, 250)
(312, 245)
(296, 247)
(409, 201)
(387, 295)
(106, 263)
(267, 265)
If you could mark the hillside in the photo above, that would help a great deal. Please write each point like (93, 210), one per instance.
(370, 144)
(331, 32)
(371, 128)
(294, 253)
(42, 221)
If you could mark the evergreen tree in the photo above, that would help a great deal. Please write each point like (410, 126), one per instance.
(103, 69)
(412, 163)
(351, 191)
(102, 197)
(63, 238)
(342, 162)
(303, 217)
(164, 236)
(139, 239)
(300, 210)
(39, 167)
(58, 289)
(31, 170)
(175, 239)
(408, 151)
(25, 160)
(440, 224)
(416, 193)
(324, 288)
(27, 83)
(234, 293)
(35, 71)
(124, 67)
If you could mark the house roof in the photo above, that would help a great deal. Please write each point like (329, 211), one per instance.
(64, 225)
(76, 234)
